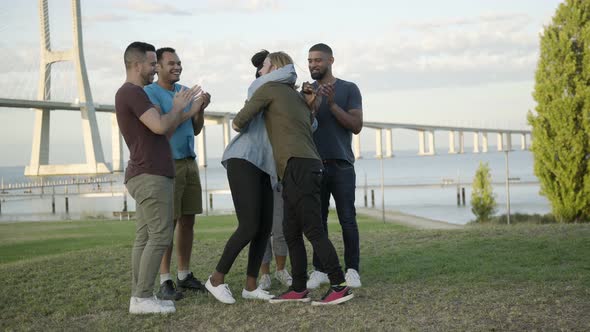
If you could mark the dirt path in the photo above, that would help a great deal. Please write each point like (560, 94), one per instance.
(407, 220)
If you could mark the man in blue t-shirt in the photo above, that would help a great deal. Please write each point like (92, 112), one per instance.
(339, 115)
(187, 185)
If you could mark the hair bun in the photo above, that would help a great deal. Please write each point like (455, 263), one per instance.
(258, 58)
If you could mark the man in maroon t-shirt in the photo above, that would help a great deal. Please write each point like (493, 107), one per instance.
(150, 170)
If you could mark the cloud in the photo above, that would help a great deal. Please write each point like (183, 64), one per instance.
(153, 8)
(418, 62)
(242, 5)
(104, 18)
(456, 52)
(461, 52)
(212, 6)
(463, 22)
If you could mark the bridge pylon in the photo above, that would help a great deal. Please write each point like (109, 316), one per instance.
(39, 164)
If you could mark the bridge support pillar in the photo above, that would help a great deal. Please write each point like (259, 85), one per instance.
(421, 146)
(431, 148)
(202, 148)
(378, 143)
(40, 148)
(452, 142)
(422, 135)
(356, 141)
(500, 142)
(476, 142)
(116, 144)
(523, 142)
(39, 164)
(461, 142)
(484, 142)
(226, 131)
(388, 143)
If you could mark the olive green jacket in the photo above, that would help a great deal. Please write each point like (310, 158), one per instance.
(288, 122)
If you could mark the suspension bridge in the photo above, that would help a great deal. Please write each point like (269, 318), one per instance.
(50, 99)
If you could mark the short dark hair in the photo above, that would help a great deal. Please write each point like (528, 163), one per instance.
(136, 51)
(322, 48)
(258, 60)
(162, 50)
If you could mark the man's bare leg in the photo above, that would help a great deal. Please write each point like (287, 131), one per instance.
(184, 241)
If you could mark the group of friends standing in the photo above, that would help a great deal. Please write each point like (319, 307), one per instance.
(292, 153)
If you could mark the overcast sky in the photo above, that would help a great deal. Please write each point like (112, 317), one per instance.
(454, 62)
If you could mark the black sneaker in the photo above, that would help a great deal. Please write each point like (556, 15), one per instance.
(168, 291)
(190, 283)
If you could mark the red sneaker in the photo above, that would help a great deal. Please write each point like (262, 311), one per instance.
(291, 296)
(335, 296)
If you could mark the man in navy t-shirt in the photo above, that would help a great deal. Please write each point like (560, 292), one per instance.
(339, 115)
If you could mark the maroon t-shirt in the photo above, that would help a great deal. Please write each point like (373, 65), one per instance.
(149, 152)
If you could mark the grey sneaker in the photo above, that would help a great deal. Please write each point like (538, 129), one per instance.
(257, 294)
(316, 278)
(264, 282)
(284, 277)
(353, 280)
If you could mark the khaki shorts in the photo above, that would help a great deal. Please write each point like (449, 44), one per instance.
(187, 188)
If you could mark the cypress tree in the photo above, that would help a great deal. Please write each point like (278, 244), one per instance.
(561, 121)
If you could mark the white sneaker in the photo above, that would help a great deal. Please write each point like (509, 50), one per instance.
(353, 280)
(221, 292)
(169, 303)
(257, 294)
(264, 282)
(284, 277)
(150, 305)
(316, 278)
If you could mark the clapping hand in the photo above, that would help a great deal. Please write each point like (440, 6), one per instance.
(327, 90)
(311, 97)
(206, 100)
(183, 97)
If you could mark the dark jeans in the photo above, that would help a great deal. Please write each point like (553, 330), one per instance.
(253, 199)
(302, 208)
(340, 182)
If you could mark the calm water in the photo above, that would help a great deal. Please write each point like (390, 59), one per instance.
(435, 202)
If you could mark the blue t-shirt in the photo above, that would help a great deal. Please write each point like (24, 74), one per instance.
(332, 140)
(182, 141)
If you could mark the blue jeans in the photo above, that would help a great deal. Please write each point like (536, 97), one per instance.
(340, 182)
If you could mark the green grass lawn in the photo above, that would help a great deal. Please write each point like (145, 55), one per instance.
(77, 276)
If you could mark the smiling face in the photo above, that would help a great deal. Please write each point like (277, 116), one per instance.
(147, 68)
(319, 63)
(169, 67)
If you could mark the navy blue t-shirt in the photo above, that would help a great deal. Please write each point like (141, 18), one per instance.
(331, 139)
